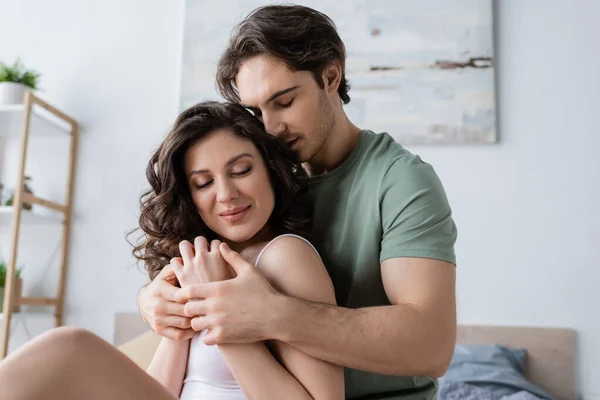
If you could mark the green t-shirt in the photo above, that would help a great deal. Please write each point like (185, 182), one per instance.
(381, 202)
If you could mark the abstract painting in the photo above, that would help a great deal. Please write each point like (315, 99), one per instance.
(423, 71)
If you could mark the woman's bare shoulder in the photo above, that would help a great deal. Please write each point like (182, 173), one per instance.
(295, 268)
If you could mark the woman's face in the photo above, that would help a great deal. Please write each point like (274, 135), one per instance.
(230, 185)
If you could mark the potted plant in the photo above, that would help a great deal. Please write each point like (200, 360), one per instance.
(18, 286)
(14, 81)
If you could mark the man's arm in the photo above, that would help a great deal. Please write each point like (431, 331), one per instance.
(413, 337)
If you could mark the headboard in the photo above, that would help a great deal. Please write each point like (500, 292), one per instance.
(127, 327)
(550, 351)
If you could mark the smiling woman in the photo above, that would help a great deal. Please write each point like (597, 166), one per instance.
(216, 160)
(230, 187)
(219, 181)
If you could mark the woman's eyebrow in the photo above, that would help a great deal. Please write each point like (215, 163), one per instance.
(239, 156)
(227, 164)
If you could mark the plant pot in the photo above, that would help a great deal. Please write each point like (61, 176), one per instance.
(12, 93)
(16, 295)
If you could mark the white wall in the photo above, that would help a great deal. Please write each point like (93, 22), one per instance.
(525, 208)
(114, 66)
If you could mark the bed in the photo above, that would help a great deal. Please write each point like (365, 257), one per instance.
(550, 361)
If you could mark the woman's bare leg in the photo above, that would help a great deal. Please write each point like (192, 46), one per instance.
(73, 364)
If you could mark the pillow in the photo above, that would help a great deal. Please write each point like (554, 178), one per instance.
(495, 367)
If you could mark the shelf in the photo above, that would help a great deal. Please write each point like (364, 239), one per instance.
(28, 314)
(43, 122)
(28, 217)
(37, 301)
(37, 118)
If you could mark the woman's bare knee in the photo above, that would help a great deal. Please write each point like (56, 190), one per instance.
(68, 338)
(72, 363)
(64, 333)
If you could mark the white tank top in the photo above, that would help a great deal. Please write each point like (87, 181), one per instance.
(208, 376)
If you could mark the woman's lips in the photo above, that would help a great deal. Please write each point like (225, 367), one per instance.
(235, 215)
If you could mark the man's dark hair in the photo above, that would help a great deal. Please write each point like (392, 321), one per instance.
(303, 38)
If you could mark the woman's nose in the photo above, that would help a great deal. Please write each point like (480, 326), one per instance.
(226, 191)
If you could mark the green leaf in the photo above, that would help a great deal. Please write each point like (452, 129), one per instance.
(3, 271)
(18, 74)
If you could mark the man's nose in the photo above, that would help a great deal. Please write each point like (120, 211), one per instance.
(274, 126)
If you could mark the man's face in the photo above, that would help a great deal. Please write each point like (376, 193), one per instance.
(290, 104)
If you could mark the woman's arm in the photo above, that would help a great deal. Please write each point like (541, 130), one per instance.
(169, 364)
(260, 375)
(296, 374)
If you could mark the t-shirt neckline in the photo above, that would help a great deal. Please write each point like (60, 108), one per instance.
(346, 164)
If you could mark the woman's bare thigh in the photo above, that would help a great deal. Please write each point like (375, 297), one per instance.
(71, 363)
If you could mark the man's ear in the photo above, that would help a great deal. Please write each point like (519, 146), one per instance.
(332, 76)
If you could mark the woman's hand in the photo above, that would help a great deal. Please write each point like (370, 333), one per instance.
(200, 263)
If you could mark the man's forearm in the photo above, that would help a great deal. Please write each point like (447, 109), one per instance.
(392, 340)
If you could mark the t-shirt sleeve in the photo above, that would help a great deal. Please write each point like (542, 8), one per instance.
(415, 214)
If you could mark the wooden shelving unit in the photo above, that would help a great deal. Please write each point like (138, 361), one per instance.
(28, 217)
(35, 117)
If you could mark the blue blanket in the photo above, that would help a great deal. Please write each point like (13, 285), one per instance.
(456, 390)
(488, 372)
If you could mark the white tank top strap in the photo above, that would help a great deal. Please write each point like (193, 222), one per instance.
(280, 236)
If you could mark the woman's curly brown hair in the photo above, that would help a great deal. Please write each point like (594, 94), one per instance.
(168, 214)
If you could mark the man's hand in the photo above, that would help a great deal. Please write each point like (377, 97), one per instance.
(161, 311)
(201, 264)
(239, 310)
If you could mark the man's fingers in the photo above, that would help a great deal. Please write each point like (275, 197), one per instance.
(211, 338)
(166, 272)
(168, 291)
(198, 291)
(195, 308)
(174, 321)
(200, 323)
(233, 258)
(175, 309)
(177, 334)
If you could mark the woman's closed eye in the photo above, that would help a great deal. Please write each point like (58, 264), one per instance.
(235, 174)
(202, 185)
(243, 172)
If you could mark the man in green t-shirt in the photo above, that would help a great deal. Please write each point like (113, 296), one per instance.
(381, 221)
